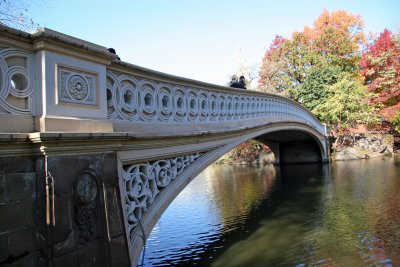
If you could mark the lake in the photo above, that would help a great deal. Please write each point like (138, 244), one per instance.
(346, 213)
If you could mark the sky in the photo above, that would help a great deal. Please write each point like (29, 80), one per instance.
(198, 39)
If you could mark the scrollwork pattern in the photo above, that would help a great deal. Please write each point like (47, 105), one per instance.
(143, 182)
(135, 99)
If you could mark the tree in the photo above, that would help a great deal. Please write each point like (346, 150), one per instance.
(347, 105)
(320, 64)
(271, 73)
(381, 69)
(334, 39)
(339, 34)
(14, 13)
(396, 121)
(314, 90)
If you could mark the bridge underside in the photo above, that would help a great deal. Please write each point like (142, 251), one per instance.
(291, 146)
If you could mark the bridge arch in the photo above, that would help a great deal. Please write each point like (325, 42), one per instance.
(139, 226)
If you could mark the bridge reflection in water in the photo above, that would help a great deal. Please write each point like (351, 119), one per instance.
(297, 215)
(107, 145)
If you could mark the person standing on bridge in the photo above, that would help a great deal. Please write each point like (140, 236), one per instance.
(234, 82)
(241, 83)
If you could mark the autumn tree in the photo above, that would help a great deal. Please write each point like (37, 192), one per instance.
(338, 37)
(271, 74)
(381, 70)
(312, 64)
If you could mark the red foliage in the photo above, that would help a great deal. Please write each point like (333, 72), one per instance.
(391, 111)
(275, 45)
(381, 69)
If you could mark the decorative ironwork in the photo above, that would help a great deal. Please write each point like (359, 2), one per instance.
(142, 183)
(131, 98)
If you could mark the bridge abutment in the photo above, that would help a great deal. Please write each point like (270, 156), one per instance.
(61, 211)
(80, 217)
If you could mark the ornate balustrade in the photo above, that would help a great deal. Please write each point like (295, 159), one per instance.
(135, 99)
(61, 81)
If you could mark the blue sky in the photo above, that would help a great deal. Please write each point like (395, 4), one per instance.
(197, 39)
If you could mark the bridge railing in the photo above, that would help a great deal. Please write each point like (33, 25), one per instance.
(51, 82)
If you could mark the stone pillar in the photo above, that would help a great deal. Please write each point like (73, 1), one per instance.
(80, 215)
(274, 146)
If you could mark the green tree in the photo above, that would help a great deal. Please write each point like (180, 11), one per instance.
(396, 121)
(314, 90)
(347, 104)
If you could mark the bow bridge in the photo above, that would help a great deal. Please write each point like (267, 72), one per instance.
(94, 149)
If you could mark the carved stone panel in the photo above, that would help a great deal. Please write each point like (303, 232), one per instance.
(77, 87)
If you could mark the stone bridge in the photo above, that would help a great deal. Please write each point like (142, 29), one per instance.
(94, 149)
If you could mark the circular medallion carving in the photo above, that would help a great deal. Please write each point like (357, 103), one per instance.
(78, 87)
(86, 188)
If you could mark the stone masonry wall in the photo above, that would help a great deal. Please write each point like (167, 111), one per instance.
(18, 224)
(74, 220)
(87, 226)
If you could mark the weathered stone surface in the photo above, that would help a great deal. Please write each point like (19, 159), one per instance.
(109, 170)
(16, 165)
(20, 186)
(64, 170)
(16, 215)
(119, 252)
(22, 242)
(93, 254)
(349, 153)
(63, 217)
(29, 260)
(4, 253)
(361, 146)
(2, 189)
(114, 222)
(67, 260)
(66, 246)
(267, 157)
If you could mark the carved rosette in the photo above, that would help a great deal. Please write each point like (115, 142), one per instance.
(142, 183)
(77, 87)
(16, 81)
(131, 98)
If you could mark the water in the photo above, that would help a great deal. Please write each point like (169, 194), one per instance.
(343, 214)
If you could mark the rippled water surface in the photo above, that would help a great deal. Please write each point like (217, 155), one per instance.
(343, 214)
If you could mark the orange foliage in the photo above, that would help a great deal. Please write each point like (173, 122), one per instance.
(339, 32)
